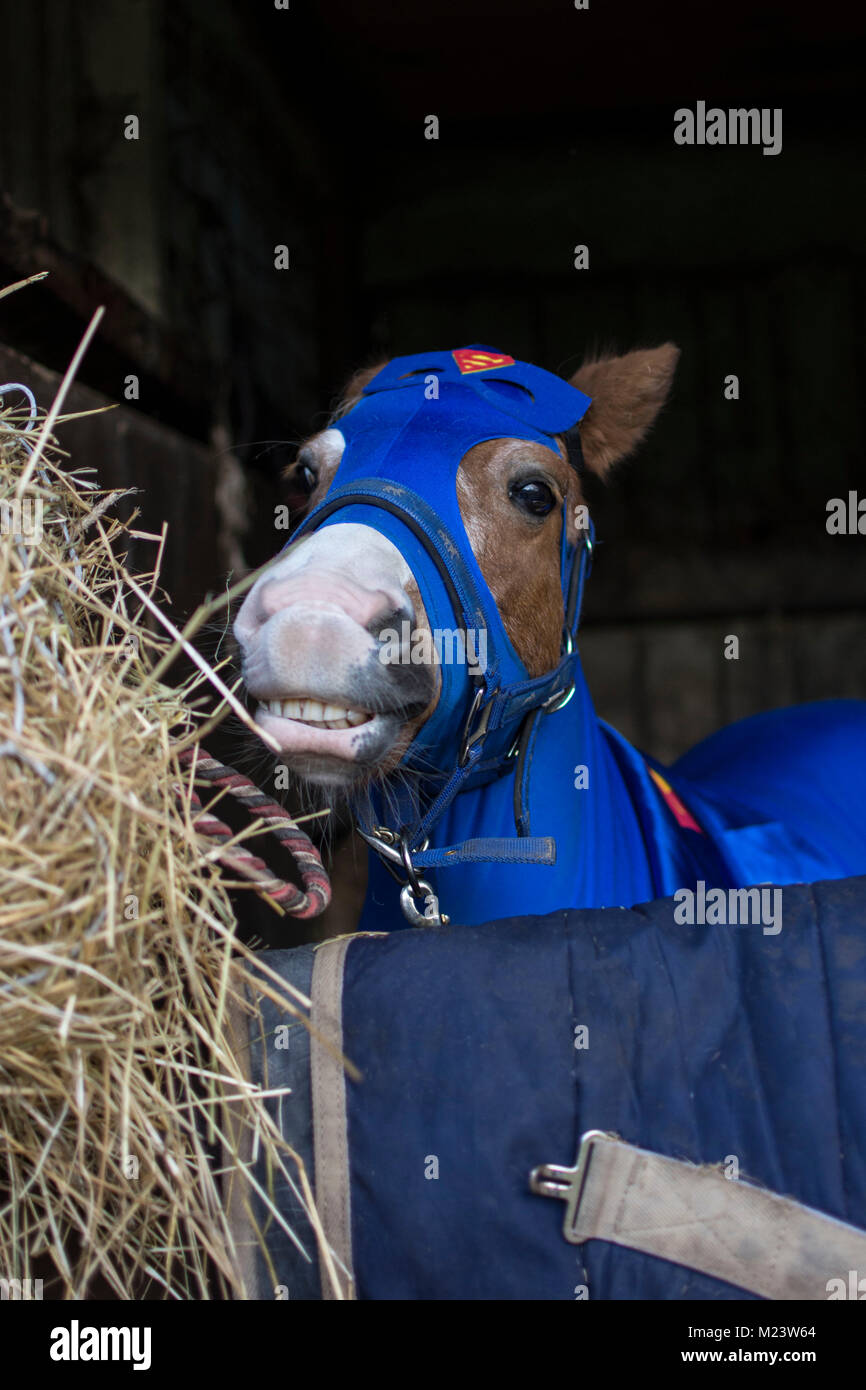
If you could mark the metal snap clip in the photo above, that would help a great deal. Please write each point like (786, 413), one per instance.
(431, 916)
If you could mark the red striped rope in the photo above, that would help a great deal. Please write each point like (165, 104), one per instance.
(316, 893)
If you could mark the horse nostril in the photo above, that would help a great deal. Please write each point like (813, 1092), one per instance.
(391, 621)
(270, 599)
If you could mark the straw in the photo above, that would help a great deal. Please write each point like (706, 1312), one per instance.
(120, 969)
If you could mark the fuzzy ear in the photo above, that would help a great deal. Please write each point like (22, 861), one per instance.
(351, 393)
(627, 394)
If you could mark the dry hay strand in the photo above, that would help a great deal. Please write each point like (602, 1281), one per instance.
(120, 976)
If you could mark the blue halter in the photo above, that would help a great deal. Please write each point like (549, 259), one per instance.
(416, 420)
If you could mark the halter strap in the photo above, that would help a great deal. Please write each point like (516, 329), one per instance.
(496, 726)
(395, 431)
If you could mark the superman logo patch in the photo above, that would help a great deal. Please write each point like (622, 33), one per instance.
(474, 360)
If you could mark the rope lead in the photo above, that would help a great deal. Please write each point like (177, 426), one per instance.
(303, 903)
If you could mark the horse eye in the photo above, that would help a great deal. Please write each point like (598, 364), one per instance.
(306, 475)
(533, 496)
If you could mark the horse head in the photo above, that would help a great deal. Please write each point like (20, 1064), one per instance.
(438, 557)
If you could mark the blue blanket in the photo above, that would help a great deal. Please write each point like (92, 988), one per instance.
(487, 1050)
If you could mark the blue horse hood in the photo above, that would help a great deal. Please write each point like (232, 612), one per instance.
(404, 442)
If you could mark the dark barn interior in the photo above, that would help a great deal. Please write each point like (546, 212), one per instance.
(304, 127)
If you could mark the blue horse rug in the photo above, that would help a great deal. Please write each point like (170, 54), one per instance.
(484, 1053)
(514, 796)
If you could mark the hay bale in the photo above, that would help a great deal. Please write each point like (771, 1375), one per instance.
(120, 975)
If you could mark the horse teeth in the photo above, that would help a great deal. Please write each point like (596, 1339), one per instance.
(316, 712)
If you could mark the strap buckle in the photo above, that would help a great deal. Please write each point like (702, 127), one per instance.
(560, 699)
(692, 1215)
(471, 738)
(554, 1180)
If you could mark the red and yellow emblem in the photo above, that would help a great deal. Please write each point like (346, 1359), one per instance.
(473, 360)
(684, 817)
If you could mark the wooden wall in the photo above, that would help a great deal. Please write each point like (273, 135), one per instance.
(175, 232)
(306, 127)
(717, 527)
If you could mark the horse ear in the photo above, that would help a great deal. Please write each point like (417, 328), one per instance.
(627, 394)
(351, 392)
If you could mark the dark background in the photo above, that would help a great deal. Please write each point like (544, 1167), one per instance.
(305, 127)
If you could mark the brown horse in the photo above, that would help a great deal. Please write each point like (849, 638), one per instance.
(315, 615)
(470, 499)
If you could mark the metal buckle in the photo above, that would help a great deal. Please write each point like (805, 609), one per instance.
(469, 739)
(383, 841)
(553, 1180)
(559, 701)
